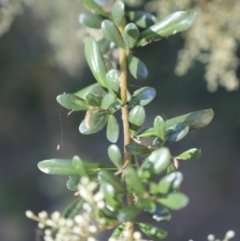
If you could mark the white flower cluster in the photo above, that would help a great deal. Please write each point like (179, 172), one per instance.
(229, 235)
(85, 226)
(212, 40)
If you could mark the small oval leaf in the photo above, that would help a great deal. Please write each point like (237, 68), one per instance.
(136, 118)
(115, 156)
(103, 44)
(142, 96)
(141, 18)
(137, 68)
(152, 231)
(90, 20)
(130, 35)
(72, 102)
(160, 213)
(96, 61)
(118, 231)
(73, 209)
(112, 129)
(118, 12)
(176, 133)
(172, 24)
(175, 200)
(72, 183)
(137, 149)
(190, 154)
(111, 32)
(111, 79)
(159, 127)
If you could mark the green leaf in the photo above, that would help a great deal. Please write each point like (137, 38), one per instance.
(79, 166)
(118, 12)
(108, 64)
(115, 156)
(109, 177)
(107, 101)
(136, 118)
(130, 35)
(196, 120)
(137, 68)
(73, 209)
(96, 61)
(134, 3)
(112, 198)
(175, 200)
(93, 90)
(94, 121)
(112, 83)
(146, 204)
(111, 32)
(141, 18)
(155, 163)
(159, 127)
(94, 7)
(90, 20)
(57, 167)
(112, 129)
(142, 96)
(160, 213)
(172, 24)
(72, 102)
(103, 44)
(137, 149)
(170, 182)
(72, 183)
(190, 154)
(128, 213)
(65, 167)
(133, 181)
(118, 231)
(152, 231)
(176, 133)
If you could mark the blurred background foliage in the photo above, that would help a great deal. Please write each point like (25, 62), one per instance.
(41, 56)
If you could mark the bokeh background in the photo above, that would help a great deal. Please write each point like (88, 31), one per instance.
(41, 56)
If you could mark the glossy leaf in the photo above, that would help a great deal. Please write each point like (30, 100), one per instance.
(190, 154)
(137, 149)
(170, 182)
(112, 198)
(72, 183)
(146, 204)
(112, 129)
(72, 102)
(94, 7)
(152, 231)
(142, 96)
(160, 127)
(109, 177)
(172, 24)
(118, 12)
(115, 156)
(94, 121)
(195, 120)
(128, 213)
(130, 35)
(93, 90)
(112, 78)
(79, 166)
(65, 167)
(137, 68)
(103, 44)
(141, 18)
(111, 32)
(160, 213)
(90, 20)
(73, 209)
(133, 181)
(118, 231)
(155, 163)
(136, 118)
(175, 200)
(107, 101)
(57, 167)
(176, 133)
(96, 61)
